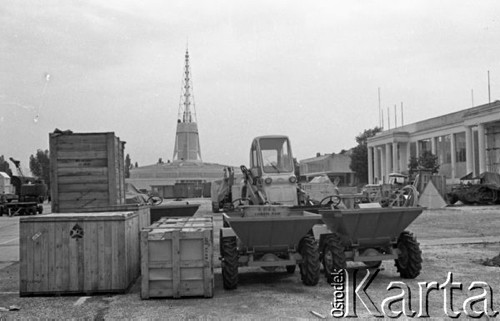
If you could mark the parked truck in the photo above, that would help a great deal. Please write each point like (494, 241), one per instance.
(20, 195)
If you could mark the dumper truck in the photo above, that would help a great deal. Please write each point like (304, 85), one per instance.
(270, 228)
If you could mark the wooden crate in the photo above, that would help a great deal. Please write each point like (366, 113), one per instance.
(79, 253)
(177, 258)
(86, 171)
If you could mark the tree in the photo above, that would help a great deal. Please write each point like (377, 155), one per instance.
(4, 166)
(359, 156)
(128, 166)
(40, 165)
(426, 161)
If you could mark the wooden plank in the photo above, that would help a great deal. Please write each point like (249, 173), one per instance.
(112, 188)
(78, 196)
(25, 256)
(81, 155)
(54, 183)
(88, 188)
(176, 271)
(144, 265)
(207, 263)
(108, 251)
(81, 163)
(74, 260)
(75, 206)
(101, 256)
(80, 138)
(82, 171)
(72, 180)
(80, 254)
(82, 146)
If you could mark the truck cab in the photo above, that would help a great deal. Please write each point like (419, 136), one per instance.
(272, 167)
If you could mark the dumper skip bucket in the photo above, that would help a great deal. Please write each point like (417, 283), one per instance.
(370, 226)
(270, 227)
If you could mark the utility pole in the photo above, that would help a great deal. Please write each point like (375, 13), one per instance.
(489, 92)
(402, 121)
(380, 115)
(395, 117)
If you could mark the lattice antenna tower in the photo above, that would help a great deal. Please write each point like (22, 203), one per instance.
(187, 97)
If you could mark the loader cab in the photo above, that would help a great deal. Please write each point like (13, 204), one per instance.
(271, 162)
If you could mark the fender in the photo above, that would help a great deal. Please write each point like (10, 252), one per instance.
(227, 232)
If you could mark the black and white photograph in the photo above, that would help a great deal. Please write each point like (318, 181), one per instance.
(255, 160)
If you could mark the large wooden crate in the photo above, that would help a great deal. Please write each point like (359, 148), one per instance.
(79, 253)
(86, 171)
(177, 258)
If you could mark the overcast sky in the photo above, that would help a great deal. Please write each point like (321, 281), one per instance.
(307, 69)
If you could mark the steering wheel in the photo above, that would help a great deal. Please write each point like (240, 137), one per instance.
(334, 200)
(240, 201)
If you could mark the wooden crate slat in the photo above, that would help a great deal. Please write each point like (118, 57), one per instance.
(80, 163)
(82, 155)
(77, 196)
(65, 180)
(82, 171)
(82, 146)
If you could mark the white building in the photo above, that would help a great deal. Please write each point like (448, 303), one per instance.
(467, 141)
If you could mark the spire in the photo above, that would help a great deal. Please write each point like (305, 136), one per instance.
(187, 143)
(185, 114)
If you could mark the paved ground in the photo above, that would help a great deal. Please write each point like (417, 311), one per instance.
(452, 240)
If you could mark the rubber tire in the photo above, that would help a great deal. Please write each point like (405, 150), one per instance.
(333, 248)
(290, 269)
(229, 254)
(40, 209)
(409, 261)
(310, 265)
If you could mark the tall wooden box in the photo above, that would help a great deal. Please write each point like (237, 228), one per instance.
(86, 171)
(78, 253)
(177, 258)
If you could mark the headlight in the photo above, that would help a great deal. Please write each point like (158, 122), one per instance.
(292, 179)
(268, 180)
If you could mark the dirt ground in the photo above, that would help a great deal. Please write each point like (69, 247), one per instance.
(452, 240)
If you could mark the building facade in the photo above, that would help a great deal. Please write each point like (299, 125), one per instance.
(335, 166)
(467, 141)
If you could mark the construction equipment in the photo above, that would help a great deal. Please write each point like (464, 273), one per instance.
(483, 189)
(30, 195)
(225, 192)
(369, 235)
(269, 229)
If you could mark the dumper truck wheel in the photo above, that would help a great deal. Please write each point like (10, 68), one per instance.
(409, 261)
(333, 255)
(309, 267)
(229, 254)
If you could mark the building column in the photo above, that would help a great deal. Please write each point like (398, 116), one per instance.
(468, 150)
(370, 165)
(383, 161)
(395, 163)
(376, 164)
(403, 157)
(453, 157)
(387, 162)
(434, 146)
(481, 148)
